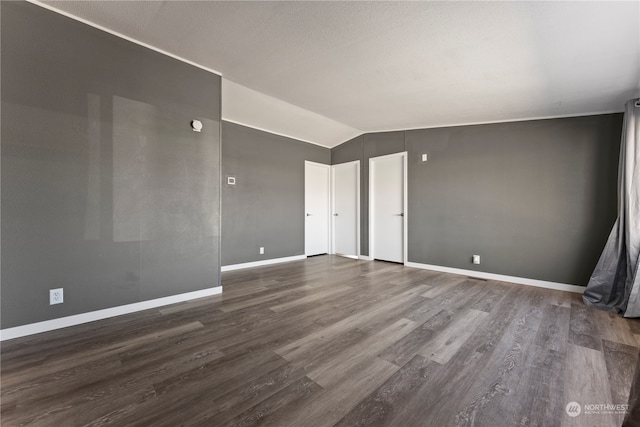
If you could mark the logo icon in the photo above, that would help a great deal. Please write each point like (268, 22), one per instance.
(573, 409)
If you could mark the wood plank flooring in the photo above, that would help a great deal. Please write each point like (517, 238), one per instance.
(331, 341)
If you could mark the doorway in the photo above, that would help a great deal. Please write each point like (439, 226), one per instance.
(345, 185)
(316, 202)
(388, 207)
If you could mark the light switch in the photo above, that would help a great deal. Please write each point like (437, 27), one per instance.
(424, 157)
(231, 180)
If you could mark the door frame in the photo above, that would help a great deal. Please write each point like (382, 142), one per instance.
(405, 254)
(333, 204)
(325, 166)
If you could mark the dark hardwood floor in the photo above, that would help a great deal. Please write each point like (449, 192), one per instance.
(331, 341)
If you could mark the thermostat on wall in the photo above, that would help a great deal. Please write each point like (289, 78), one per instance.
(231, 180)
(196, 125)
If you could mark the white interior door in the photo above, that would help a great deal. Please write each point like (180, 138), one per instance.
(346, 208)
(316, 201)
(387, 207)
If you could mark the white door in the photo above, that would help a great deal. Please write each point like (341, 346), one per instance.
(346, 208)
(316, 202)
(387, 207)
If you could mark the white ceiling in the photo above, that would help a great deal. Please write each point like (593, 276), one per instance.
(336, 69)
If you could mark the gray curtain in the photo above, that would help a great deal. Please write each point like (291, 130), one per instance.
(615, 282)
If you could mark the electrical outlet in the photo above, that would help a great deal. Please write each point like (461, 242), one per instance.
(56, 296)
(261, 250)
(476, 259)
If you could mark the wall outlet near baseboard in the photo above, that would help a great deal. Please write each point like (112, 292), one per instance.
(56, 296)
(261, 250)
(476, 259)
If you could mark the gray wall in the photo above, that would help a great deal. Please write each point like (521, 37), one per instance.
(106, 191)
(266, 205)
(535, 199)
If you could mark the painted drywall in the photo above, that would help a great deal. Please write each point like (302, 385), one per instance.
(535, 199)
(107, 192)
(381, 65)
(248, 107)
(265, 207)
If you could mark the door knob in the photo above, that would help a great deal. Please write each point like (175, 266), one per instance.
(335, 214)
(308, 214)
(400, 214)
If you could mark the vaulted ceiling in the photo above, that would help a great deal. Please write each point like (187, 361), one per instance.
(327, 71)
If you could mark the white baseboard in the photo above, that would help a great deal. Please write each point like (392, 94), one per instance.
(500, 277)
(77, 319)
(365, 258)
(262, 262)
(347, 256)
